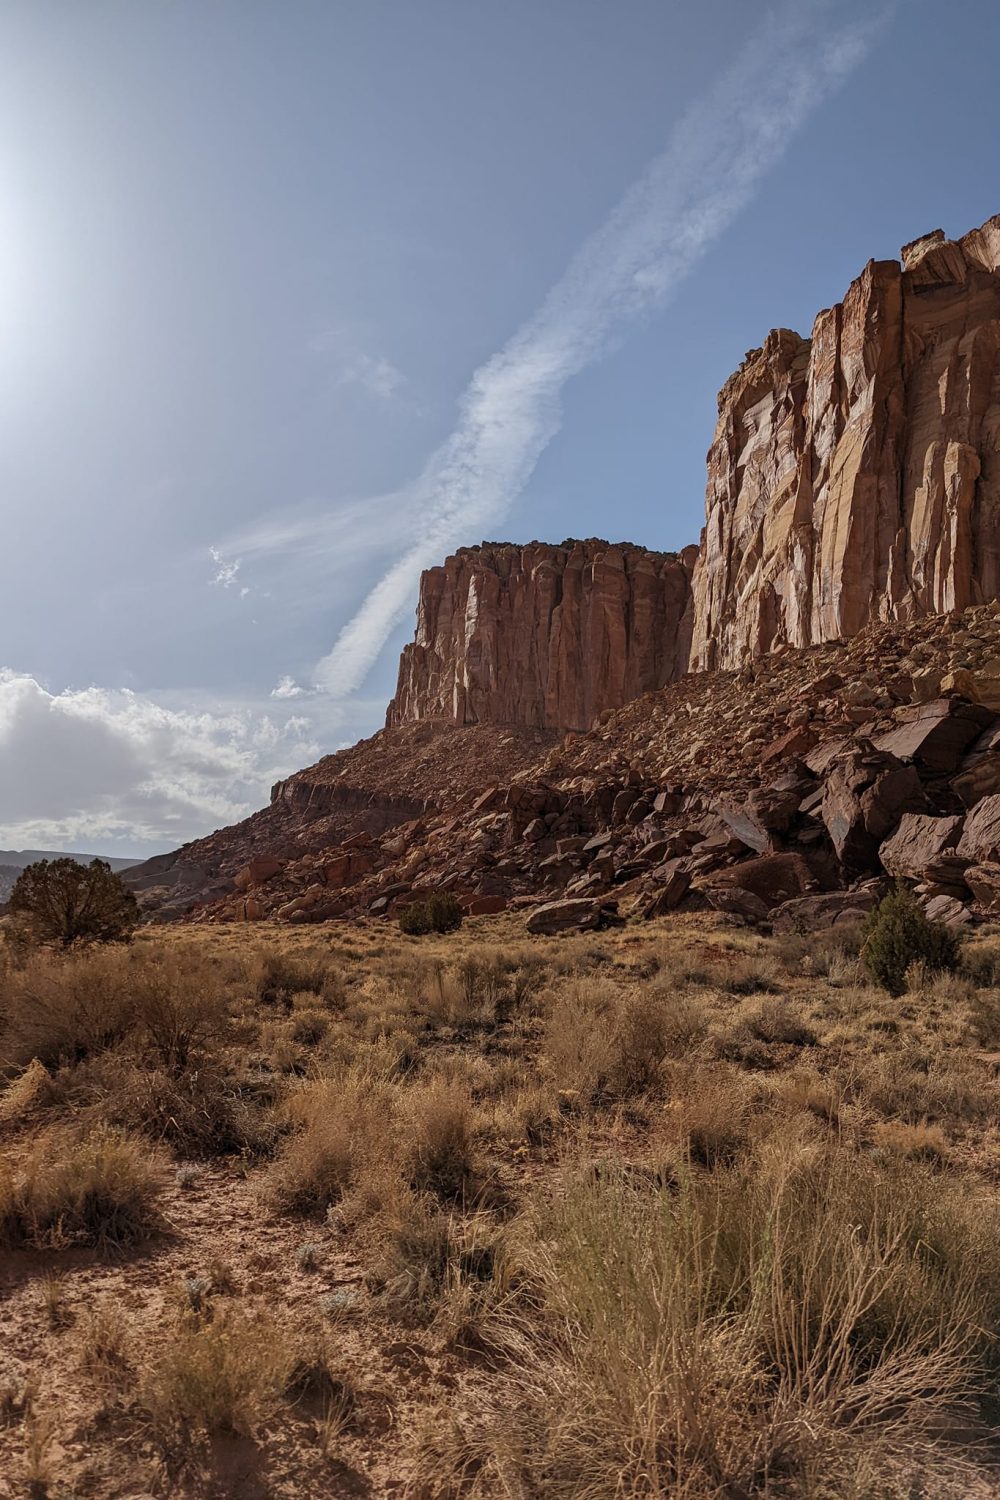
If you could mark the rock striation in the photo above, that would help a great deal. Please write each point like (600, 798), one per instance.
(542, 636)
(855, 476)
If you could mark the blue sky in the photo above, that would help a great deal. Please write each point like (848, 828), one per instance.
(252, 256)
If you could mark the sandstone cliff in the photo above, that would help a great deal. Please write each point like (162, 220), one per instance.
(544, 636)
(855, 476)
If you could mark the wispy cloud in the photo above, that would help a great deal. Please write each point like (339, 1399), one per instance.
(374, 374)
(287, 687)
(226, 570)
(712, 165)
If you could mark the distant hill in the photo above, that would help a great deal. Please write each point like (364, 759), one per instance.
(18, 858)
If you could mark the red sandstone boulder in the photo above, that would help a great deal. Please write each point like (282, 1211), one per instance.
(917, 843)
(814, 913)
(482, 906)
(258, 870)
(795, 743)
(736, 902)
(670, 886)
(947, 909)
(772, 878)
(577, 913)
(984, 883)
(980, 841)
(935, 735)
(866, 793)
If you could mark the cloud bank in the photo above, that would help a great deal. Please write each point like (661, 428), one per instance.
(90, 768)
(713, 163)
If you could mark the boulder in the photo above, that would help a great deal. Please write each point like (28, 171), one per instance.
(772, 878)
(865, 795)
(482, 906)
(575, 914)
(763, 813)
(736, 902)
(795, 742)
(816, 913)
(947, 909)
(917, 842)
(258, 870)
(935, 735)
(346, 868)
(980, 841)
(984, 883)
(668, 892)
(945, 873)
(981, 779)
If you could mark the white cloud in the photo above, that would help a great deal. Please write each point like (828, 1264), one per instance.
(226, 571)
(89, 767)
(713, 163)
(287, 687)
(376, 375)
(373, 373)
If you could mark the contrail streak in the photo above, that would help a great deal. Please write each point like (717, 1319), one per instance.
(713, 162)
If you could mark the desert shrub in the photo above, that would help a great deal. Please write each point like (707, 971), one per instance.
(920, 1141)
(61, 1009)
(102, 1342)
(440, 912)
(97, 1187)
(308, 1025)
(432, 1257)
(775, 1021)
(64, 1008)
(831, 952)
(224, 1373)
(751, 976)
(178, 1013)
(915, 1087)
(203, 1111)
(804, 1314)
(981, 965)
(576, 1043)
(283, 977)
(710, 1116)
(898, 934)
(338, 1127)
(438, 1139)
(66, 902)
(641, 1038)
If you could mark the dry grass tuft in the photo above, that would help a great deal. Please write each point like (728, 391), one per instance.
(779, 1321)
(98, 1188)
(224, 1373)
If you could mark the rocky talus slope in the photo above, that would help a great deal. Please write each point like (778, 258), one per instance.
(374, 786)
(544, 636)
(787, 792)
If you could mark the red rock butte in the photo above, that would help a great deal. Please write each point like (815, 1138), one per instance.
(543, 636)
(854, 477)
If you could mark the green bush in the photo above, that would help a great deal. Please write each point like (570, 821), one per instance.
(65, 902)
(439, 913)
(898, 934)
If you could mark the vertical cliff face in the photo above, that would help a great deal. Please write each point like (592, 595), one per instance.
(853, 476)
(856, 475)
(544, 636)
